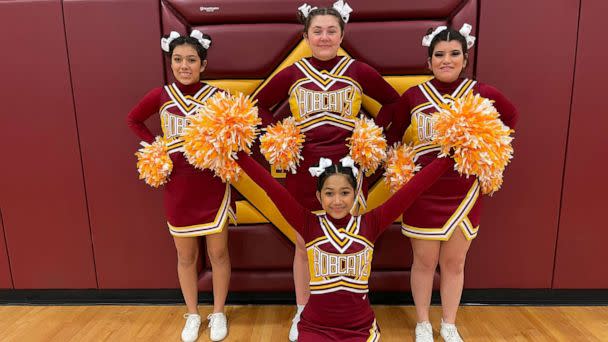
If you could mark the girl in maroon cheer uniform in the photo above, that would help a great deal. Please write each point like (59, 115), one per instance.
(442, 222)
(339, 246)
(324, 92)
(196, 202)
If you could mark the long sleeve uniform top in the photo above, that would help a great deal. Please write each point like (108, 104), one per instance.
(196, 202)
(324, 98)
(453, 199)
(340, 250)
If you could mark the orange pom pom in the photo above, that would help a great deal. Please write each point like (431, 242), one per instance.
(367, 145)
(223, 126)
(480, 141)
(400, 166)
(153, 162)
(281, 145)
(230, 170)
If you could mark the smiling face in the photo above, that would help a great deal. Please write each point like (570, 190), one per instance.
(337, 196)
(186, 64)
(448, 61)
(324, 36)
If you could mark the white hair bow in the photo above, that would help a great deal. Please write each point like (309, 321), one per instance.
(465, 31)
(316, 171)
(198, 35)
(426, 40)
(349, 162)
(164, 42)
(343, 8)
(305, 9)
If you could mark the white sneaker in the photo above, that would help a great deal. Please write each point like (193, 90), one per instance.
(293, 331)
(449, 332)
(424, 332)
(218, 326)
(190, 332)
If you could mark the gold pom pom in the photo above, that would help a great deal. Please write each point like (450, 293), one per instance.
(400, 166)
(367, 145)
(224, 125)
(153, 162)
(281, 145)
(481, 143)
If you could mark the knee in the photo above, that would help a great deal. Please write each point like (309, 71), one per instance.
(187, 258)
(425, 262)
(218, 255)
(452, 264)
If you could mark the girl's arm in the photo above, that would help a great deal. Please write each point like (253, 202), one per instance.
(508, 112)
(295, 214)
(272, 93)
(378, 89)
(147, 107)
(401, 120)
(389, 211)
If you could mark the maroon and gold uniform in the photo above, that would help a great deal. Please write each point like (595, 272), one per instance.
(196, 203)
(325, 99)
(454, 200)
(340, 255)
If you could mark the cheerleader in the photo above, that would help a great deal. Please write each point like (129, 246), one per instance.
(339, 245)
(196, 203)
(442, 222)
(325, 93)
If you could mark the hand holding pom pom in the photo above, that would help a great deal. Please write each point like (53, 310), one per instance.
(225, 125)
(400, 166)
(481, 143)
(153, 162)
(282, 145)
(367, 145)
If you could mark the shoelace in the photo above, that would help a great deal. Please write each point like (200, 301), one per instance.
(213, 318)
(422, 331)
(191, 321)
(452, 332)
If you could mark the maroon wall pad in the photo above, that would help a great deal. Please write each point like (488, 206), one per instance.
(43, 197)
(581, 249)
(112, 67)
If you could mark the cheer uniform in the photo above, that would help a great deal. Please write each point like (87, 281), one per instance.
(340, 255)
(324, 99)
(453, 201)
(196, 202)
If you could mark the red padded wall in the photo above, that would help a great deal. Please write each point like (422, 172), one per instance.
(246, 11)
(581, 249)
(85, 77)
(6, 281)
(526, 49)
(249, 245)
(397, 53)
(393, 47)
(43, 198)
(236, 50)
(115, 59)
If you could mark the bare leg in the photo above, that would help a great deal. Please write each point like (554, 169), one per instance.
(451, 262)
(217, 249)
(187, 254)
(426, 256)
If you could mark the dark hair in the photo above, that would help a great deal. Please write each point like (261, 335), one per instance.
(446, 36)
(320, 11)
(337, 170)
(187, 40)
